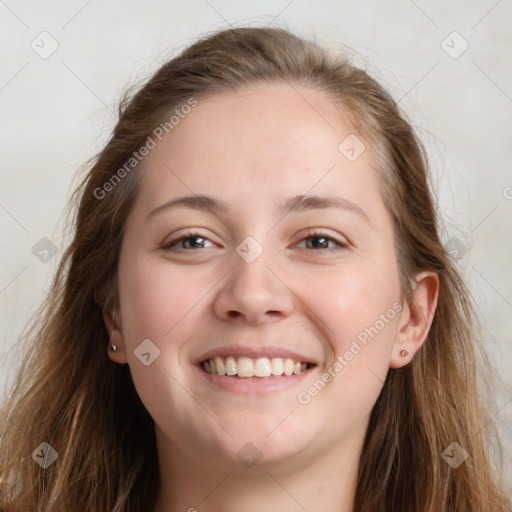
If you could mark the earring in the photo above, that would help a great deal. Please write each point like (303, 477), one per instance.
(404, 353)
(111, 346)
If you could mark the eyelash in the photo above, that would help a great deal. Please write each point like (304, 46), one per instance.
(312, 234)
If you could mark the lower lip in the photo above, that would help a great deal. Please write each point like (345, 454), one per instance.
(255, 385)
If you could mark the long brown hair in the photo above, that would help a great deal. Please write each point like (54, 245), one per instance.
(71, 396)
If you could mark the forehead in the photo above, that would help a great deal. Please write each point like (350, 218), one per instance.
(259, 141)
(266, 120)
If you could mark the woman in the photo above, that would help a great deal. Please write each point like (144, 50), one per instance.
(256, 311)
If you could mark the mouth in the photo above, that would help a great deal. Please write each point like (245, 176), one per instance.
(254, 368)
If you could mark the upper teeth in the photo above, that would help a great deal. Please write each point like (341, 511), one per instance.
(247, 367)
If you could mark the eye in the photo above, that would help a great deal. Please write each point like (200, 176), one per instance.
(189, 241)
(318, 240)
(194, 240)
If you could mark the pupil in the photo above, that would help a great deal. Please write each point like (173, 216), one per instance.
(193, 242)
(319, 241)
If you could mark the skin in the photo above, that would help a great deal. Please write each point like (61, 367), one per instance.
(254, 150)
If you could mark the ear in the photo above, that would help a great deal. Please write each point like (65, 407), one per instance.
(416, 319)
(113, 323)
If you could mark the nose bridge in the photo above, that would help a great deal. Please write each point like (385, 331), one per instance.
(252, 278)
(252, 289)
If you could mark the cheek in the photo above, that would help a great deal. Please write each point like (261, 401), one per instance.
(155, 305)
(155, 297)
(359, 311)
(356, 303)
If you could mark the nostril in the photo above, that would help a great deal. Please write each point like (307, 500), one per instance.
(233, 314)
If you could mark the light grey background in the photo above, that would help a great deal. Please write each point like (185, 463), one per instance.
(57, 111)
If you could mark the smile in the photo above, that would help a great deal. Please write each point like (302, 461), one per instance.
(246, 367)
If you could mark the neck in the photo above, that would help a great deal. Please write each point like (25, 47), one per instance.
(325, 484)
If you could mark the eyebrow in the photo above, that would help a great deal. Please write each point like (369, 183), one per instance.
(294, 204)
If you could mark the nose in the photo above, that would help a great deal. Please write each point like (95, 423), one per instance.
(253, 293)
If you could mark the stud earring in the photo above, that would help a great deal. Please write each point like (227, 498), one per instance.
(404, 353)
(111, 346)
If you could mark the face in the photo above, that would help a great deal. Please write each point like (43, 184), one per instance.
(257, 239)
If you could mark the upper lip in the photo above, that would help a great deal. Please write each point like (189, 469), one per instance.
(254, 351)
